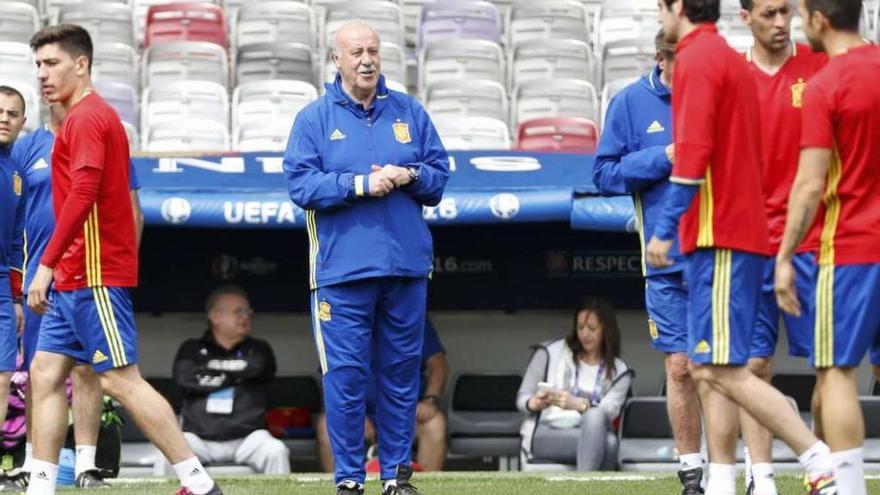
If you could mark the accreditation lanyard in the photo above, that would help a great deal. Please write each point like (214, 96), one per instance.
(596, 395)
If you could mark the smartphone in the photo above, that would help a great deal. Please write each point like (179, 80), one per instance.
(546, 387)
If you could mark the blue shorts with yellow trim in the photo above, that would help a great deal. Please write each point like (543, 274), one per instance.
(8, 332)
(666, 302)
(798, 329)
(847, 319)
(724, 287)
(93, 325)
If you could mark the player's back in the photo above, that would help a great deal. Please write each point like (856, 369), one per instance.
(842, 112)
(717, 118)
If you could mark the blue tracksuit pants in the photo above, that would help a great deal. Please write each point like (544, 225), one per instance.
(379, 319)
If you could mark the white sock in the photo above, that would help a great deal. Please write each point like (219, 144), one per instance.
(193, 476)
(43, 477)
(690, 461)
(722, 479)
(817, 461)
(85, 458)
(765, 484)
(28, 457)
(849, 467)
(747, 459)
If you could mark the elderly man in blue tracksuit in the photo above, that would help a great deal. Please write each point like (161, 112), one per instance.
(362, 161)
(634, 158)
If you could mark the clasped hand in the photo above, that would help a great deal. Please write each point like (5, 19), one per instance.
(385, 179)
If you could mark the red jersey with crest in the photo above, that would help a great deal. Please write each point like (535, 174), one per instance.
(842, 113)
(94, 239)
(716, 129)
(781, 98)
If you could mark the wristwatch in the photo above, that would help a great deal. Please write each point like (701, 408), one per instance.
(432, 398)
(413, 174)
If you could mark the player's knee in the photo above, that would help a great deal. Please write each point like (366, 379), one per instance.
(45, 374)
(762, 367)
(678, 369)
(434, 429)
(84, 376)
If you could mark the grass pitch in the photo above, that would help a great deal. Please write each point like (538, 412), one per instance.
(462, 484)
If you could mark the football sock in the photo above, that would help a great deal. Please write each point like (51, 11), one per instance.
(762, 474)
(817, 461)
(85, 458)
(849, 467)
(193, 476)
(43, 477)
(722, 479)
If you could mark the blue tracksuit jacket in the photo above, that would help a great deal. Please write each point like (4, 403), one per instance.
(12, 188)
(631, 158)
(333, 144)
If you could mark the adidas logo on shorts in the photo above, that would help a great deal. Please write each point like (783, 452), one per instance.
(98, 357)
(702, 348)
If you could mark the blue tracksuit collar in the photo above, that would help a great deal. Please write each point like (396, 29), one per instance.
(657, 87)
(339, 96)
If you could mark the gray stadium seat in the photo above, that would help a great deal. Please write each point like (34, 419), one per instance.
(18, 21)
(186, 135)
(625, 59)
(551, 59)
(264, 61)
(460, 59)
(646, 442)
(270, 101)
(116, 62)
(620, 20)
(18, 59)
(457, 20)
(261, 136)
(478, 98)
(185, 60)
(555, 98)
(549, 19)
(105, 22)
(134, 137)
(482, 418)
(385, 17)
(172, 101)
(275, 22)
(472, 133)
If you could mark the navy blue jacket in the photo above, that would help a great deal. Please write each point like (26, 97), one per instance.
(333, 144)
(631, 158)
(12, 188)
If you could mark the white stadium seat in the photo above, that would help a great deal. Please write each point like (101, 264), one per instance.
(460, 59)
(134, 138)
(185, 60)
(17, 60)
(261, 136)
(116, 62)
(551, 59)
(105, 22)
(18, 21)
(472, 133)
(478, 98)
(263, 61)
(179, 100)
(186, 135)
(275, 22)
(536, 21)
(555, 98)
(456, 19)
(626, 58)
(385, 17)
(270, 101)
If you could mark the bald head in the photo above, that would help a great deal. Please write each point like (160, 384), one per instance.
(355, 51)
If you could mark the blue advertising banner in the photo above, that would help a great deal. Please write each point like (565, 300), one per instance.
(247, 190)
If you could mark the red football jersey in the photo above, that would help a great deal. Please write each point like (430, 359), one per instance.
(717, 134)
(781, 98)
(842, 113)
(103, 250)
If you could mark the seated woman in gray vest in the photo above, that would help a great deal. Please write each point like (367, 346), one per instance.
(572, 391)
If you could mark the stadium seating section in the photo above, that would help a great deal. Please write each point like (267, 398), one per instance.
(500, 67)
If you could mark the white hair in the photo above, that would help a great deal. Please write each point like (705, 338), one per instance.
(333, 45)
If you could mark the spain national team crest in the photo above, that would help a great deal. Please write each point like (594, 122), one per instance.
(797, 93)
(16, 184)
(401, 132)
(652, 329)
(324, 311)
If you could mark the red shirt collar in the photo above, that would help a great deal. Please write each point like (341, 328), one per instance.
(701, 30)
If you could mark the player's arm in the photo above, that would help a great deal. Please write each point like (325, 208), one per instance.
(309, 186)
(617, 170)
(433, 166)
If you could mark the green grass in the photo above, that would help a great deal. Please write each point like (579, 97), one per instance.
(463, 484)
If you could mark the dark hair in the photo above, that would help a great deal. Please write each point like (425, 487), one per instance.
(747, 4)
(223, 290)
(698, 11)
(73, 39)
(665, 48)
(843, 15)
(10, 91)
(610, 347)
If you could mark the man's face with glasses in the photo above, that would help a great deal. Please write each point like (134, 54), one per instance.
(231, 317)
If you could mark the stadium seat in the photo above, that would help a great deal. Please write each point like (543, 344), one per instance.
(264, 61)
(185, 60)
(186, 135)
(142, 6)
(385, 17)
(105, 22)
(646, 442)
(610, 89)
(798, 386)
(472, 133)
(122, 97)
(181, 100)
(17, 59)
(551, 59)
(555, 98)
(460, 59)
(261, 136)
(18, 21)
(32, 100)
(411, 10)
(871, 448)
(482, 418)
(625, 59)
(455, 19)
(300, 392)
(117, 63)
(275, 22)
(134, 137)
(549, 19)
(875, 386)
(393, 64)
(464, 98)
(185, 22)
(570, 135)
(618, 20)
(270, 101)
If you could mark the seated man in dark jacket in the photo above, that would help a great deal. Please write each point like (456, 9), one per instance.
(224, 376)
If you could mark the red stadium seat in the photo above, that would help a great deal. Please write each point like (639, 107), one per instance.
(186, 22)
(566, 134)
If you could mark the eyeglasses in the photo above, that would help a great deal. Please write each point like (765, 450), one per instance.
(243, 312)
